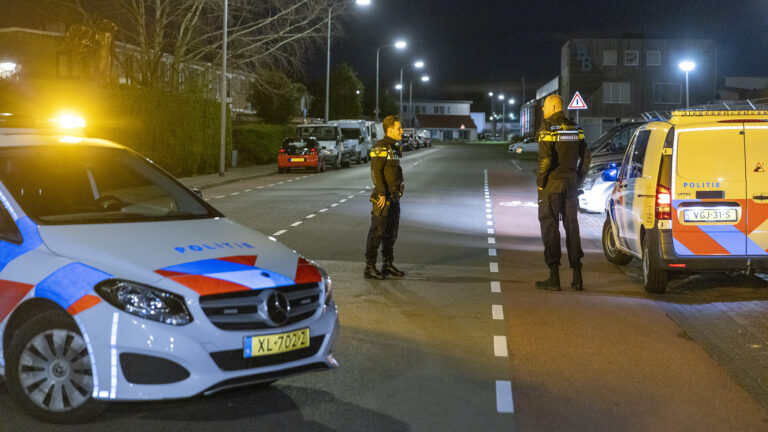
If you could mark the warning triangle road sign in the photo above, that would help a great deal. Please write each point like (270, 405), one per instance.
(577, 103)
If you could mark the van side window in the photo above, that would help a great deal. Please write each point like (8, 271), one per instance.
(626, 162)
(9, 232)
(638, 154)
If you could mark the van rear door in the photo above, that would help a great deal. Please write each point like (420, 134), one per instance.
(756, 143)
(709, 198)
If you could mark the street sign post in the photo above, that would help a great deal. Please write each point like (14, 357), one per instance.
(577, 103)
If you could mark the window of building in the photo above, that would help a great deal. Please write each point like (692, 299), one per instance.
(667, 93)
(631, 58)
(448, 109)
(653, 58)
(405, 108)
(435, 108)
(609, 57)
(442, 110)
(616, 92)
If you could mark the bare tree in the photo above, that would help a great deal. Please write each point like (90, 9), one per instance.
(167, 35)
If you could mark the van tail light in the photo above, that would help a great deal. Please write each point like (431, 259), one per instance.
(663, 203)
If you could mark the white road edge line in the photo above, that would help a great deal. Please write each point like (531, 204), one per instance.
(495, 286)
(504, 402)
(497, 311)
(500, 346)
(281, 232)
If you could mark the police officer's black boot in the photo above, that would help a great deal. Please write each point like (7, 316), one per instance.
(553, 283)
(577, 283)
(371, 272)
(389, 269)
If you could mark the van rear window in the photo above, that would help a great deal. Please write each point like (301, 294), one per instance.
(711, 154)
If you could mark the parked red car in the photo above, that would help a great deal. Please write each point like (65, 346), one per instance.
(300, 153)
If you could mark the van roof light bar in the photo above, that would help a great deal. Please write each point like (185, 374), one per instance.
(703, 113)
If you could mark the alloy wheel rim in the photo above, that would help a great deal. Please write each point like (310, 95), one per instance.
(611, 246)
(55, 370)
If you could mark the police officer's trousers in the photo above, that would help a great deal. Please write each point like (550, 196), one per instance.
(383, 233)
(552, 205)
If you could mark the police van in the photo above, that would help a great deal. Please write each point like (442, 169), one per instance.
(692, 196)
(117, 283)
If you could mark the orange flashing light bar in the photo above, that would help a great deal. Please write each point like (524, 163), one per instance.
(720, 113)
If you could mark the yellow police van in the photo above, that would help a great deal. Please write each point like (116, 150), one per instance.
(692, 196)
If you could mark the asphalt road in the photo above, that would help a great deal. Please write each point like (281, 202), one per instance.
(464, 342)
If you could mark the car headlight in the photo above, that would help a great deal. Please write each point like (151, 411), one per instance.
(326, 283)
(328, 152)
(145, 301)
(519, 150)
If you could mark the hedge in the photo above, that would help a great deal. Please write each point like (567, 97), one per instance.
(259, 143)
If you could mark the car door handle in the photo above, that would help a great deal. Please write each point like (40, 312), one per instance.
(645, 196)
(760, 197)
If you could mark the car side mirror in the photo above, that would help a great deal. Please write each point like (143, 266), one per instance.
(611, 173)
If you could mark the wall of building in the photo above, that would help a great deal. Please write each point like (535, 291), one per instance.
(438, 107)
(621, 78)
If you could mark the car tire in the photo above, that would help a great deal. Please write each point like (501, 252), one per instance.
(654, 278)
(610, 249)
(68, 378)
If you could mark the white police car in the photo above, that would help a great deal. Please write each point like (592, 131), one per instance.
(117, 283)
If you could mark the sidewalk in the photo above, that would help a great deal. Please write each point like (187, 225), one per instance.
(230, 176)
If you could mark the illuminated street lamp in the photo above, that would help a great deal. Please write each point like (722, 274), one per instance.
(424, 78)
(399, 86)
(503, 117)
(490, 94)
(399, 45)
(328, 56)
(687, 66)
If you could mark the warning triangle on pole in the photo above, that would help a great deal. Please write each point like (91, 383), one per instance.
(577, 103)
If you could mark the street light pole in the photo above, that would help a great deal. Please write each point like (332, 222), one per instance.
(687, 66)
(417, 65)
(493, 119)
(223, 95)
(398, 45)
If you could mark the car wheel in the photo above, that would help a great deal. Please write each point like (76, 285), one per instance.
(49, 370)
(654, 278)
(610, 249)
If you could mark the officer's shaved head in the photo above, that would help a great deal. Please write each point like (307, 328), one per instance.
(552, 104)
(392, 128)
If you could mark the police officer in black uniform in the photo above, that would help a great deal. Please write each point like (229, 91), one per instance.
(564, 160)
(387, 178)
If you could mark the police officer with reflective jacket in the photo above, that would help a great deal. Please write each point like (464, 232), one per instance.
(564, 159)
(387, 178)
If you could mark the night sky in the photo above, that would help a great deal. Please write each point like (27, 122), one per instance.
(493, 43)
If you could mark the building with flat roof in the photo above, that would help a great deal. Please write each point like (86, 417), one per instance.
(444, 119)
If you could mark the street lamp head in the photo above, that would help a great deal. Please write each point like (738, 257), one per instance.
(501, 97)
(419, 64)
(363, 2)
(490, 94)
(511, 116)
(687, 65)
(400, 44)
(511, 101)
(425, 78)
(357, 91)
(399, 86)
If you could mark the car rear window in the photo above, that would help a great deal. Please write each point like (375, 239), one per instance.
(324, 133)
(351, 133)
(711, 154)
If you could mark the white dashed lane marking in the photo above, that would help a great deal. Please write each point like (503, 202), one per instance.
(495, 287)
(504, 402)
(490, 231)
(334, 204)
(497, 311)
(219, 197)
(492, 240)
(234, 193)
(492, 252)
(500, 346)
(310, 216)
(344, 200)
(494, 267)
(295, 224)
(323, 210)
(279, 233)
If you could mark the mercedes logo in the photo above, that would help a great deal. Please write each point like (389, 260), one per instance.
(278, 308)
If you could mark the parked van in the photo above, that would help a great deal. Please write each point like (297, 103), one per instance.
(329, 137)
(354, 136)
(692, 196)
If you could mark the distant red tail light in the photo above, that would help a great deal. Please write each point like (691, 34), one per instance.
(677, 265)
(282, 150)
(663, 203)
(313, 151)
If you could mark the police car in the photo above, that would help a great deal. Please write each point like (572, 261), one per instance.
(692, 196)
(117, 283)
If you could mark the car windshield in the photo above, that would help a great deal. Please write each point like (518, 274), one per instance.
(60, 185)
(351, 133)
(324, 133)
